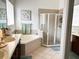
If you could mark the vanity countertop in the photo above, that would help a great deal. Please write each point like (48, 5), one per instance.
(75, 33)
(9, 49)
(75, 30)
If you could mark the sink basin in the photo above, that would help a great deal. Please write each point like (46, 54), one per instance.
(1, 55)
(8, 39)
(2, 45)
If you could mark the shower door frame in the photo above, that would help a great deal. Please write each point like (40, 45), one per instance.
(47, 45)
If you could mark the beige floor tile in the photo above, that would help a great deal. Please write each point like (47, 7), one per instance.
(46, 53)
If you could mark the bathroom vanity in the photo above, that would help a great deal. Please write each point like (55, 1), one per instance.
(10, 51)
(75, 43)
(12, 48)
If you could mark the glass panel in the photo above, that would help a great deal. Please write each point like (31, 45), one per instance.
(51, 29)
(58, 29)
(51, 24)
(44, 26)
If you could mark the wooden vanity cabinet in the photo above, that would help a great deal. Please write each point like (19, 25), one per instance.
(75, 44)
(17, 52)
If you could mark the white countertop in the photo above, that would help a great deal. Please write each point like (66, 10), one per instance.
(75, 30)
(28, 38)
(12, 45)
(75, 33)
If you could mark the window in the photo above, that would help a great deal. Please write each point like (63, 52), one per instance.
(76, 16)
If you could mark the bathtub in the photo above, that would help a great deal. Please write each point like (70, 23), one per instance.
(30, 43)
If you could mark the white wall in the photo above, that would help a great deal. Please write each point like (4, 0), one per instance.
(76, 12)
(61, 4)
(76, 2)
(12, 1)
(33, 5)
(2, 4)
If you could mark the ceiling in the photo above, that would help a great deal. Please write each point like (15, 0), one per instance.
(76, 1)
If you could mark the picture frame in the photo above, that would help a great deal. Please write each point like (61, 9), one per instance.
(26, 15)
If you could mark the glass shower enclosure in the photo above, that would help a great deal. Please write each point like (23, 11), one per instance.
(50, 24)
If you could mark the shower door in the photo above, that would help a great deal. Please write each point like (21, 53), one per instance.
(43, 27)
(58, 27)
(50, 24)
(51, 29)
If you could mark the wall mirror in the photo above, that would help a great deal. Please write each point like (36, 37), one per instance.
(3, 14)
(7, 14)
(10, 14)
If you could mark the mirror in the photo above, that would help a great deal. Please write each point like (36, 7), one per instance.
(10, 15)
(3, 14)
(7, 14)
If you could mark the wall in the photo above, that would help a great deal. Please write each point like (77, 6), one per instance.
(2, 4)
(76, 2)
(33, 5)
(61, 4)
(12, 1)
(76, 12)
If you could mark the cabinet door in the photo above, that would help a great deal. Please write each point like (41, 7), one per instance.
(17, 52)
(75, 44)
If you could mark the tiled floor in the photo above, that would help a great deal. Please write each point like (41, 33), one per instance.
(73, 56)
(50, 53)
(46, 53)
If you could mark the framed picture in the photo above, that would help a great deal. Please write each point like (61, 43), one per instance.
(26, 15)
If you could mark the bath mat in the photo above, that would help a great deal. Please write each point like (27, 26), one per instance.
(26, 57)
(56, 48)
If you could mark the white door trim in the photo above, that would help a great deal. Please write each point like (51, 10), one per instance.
(66, 28)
